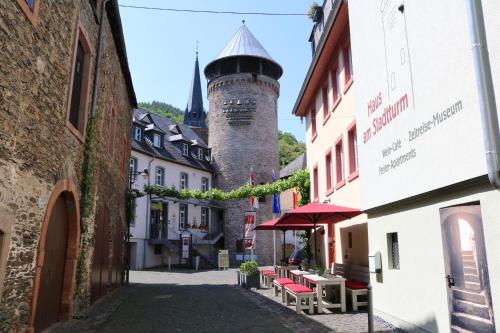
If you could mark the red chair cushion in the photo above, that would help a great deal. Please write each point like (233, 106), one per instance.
(298, 288)
(283, 281)
(355, 285)
(267, 271)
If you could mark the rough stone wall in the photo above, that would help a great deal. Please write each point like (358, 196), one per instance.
(235, 149)
(37, 149)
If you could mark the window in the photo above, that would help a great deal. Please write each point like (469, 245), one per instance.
(137, 134)
(156, 140)
(204, 184)
(160, 176)
(315, 183)
(352, 146)
(184, 181)
(112, 132)
(200, 153)
(133, 169)
(77, 102)
(339, 163)
(328, 171)
(336, 85)
(183, 215)
(393, 250)
(204, 219)
(30, 9)
(185, 149)
(207, 154)
(347, 63)
(313, 124)
(157, 249)
(326, 107)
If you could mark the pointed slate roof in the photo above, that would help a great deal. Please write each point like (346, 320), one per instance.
(194, 115)
(244, 43)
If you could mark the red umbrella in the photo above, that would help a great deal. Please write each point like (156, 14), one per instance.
(318, 213)
(272, 225)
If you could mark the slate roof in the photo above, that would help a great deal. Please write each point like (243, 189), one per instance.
(299, 163)
(244, 43)
(170, 151)
(194, 115)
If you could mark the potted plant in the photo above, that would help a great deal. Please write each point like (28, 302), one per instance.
(195, 254)
(306, 251)
(249, 274)
(320, 270)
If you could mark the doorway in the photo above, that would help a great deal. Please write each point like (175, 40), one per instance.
(466, 268)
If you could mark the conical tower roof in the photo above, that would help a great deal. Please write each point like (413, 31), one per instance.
(243, 44)
(194, 115)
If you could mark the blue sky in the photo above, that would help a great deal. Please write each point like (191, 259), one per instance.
(161, 46)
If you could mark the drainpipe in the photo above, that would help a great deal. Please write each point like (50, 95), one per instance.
(484, 81)
(148, 203)
(98, 57)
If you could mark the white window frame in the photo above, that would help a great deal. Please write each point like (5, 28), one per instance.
(156, 140)
(183, 181)
(133, 167)
(200, 153)
(183, 215)
(205, 216)
(185, 149)
(138, 134)
(204, 184)
(160, 172)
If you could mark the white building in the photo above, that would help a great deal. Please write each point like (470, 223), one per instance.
(174, 156)
(432, 213)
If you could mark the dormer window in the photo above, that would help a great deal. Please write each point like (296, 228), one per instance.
(185, 149)
(137, 134)
(156, 140)
(207, 155)
(200, 153)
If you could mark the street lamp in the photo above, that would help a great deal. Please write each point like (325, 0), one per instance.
(133, 195)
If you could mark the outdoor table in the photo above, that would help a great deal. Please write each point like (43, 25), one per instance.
(283, 270)
(296, 275)
(322, 282)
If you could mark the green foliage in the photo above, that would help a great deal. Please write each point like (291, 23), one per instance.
(306, 248)
(249, 268)
(164, 109)
(290, 148)
(195, 252)
(299, 179)
(312, 10)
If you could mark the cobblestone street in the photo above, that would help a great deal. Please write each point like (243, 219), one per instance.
(208, 301)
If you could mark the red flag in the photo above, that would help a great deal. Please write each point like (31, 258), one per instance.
(295, 198)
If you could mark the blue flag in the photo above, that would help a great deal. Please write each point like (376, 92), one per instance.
(276, 199)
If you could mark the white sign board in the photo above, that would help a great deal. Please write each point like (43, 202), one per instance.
(417, 109)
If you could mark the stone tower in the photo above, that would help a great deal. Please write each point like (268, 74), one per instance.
(243, 92)
(194, 115)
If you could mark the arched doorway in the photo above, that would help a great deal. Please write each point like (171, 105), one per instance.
(54, 282)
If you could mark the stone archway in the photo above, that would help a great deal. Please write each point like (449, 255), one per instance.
(59, 240)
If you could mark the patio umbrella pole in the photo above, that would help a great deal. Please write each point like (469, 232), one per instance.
(274, 247)
(284, 231)
(315, 243)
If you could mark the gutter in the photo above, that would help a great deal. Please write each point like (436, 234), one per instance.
(486, 92)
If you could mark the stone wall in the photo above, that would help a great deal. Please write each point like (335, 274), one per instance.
(38, 150)
(235, 149)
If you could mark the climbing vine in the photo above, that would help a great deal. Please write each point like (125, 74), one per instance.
(87, 199)
(299, 180)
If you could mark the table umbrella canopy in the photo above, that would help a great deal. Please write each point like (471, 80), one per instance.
(272, 225)
(318, 213)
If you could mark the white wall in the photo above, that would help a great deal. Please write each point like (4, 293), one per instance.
(417, 293)
(145, 257)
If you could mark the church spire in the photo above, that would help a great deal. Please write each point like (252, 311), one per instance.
(194, 115)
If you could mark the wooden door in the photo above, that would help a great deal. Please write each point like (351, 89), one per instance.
(99, 275)
(52, 275)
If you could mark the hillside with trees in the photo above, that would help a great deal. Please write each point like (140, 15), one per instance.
(290, 148)
(164, 109)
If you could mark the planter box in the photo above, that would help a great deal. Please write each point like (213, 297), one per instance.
(249, 281)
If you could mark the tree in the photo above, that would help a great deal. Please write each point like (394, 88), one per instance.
(290, 148)
(164, 109)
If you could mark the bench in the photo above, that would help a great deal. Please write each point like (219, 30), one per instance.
(266, 277)
(278, 286)
(356, 285)
(300, 293)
